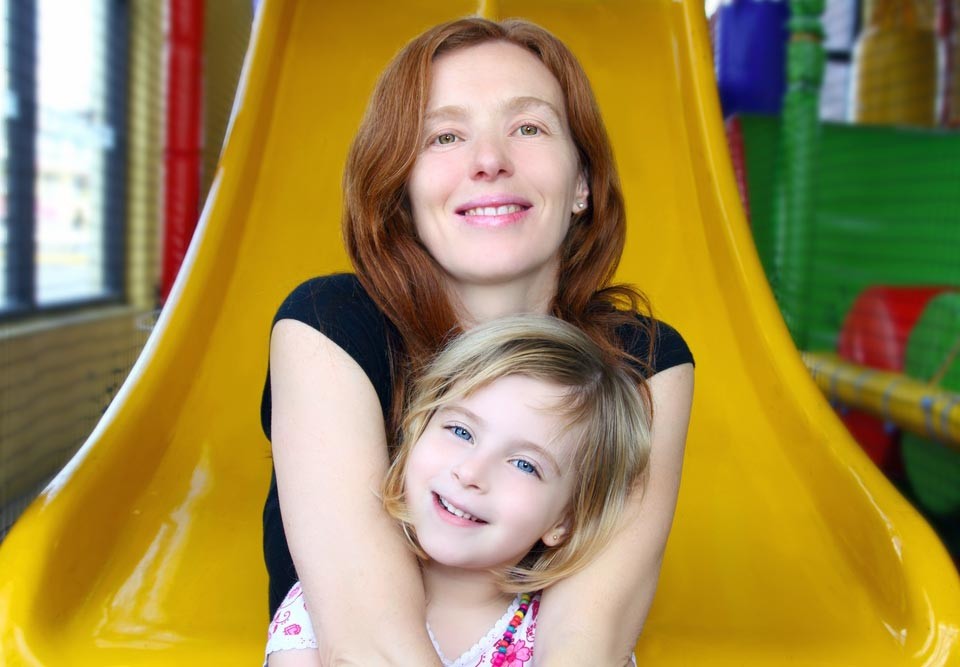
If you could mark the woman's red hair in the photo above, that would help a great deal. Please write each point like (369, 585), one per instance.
(396, 269)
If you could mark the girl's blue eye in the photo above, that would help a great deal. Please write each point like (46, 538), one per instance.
(526, 467)
(462, 433)
(529, 130)
(445, 139)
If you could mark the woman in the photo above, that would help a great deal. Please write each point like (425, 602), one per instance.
(481, 183)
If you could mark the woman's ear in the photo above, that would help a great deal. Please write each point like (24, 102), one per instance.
(582, 196)
(557, 533)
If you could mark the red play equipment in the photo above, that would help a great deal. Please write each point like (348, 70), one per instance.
(184, 135)
(875, 334)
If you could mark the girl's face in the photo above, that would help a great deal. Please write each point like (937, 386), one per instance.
(491, 475)
(497, 180)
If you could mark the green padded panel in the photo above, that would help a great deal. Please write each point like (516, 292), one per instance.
(886, 202)
(932, 468)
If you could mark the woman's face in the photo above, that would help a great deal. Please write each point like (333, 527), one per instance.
(497, 179)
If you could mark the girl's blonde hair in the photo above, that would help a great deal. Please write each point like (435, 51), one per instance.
(602, 403)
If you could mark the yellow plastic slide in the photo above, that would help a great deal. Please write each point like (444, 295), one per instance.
(789, 547)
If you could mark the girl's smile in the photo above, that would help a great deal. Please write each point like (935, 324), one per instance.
(492, 475)
(456, 516)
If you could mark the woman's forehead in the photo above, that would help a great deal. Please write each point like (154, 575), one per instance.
(499, 70)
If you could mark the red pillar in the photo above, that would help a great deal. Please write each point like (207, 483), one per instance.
(182, 160)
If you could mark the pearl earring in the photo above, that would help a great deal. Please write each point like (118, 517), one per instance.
(581, 204)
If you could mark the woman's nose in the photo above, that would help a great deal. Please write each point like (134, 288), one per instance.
(491, 157)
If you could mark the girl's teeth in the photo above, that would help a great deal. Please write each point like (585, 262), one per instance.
(455, 511)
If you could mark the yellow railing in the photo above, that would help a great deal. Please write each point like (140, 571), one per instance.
(911, 404)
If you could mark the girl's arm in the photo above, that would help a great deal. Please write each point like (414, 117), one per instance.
(362, 584)
(595, 616)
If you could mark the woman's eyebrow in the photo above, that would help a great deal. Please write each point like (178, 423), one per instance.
(514, 104)
(441, 113)
(525, 102)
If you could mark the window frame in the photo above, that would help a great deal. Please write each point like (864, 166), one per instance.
(21, 174)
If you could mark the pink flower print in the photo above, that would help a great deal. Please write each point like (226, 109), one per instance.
(517, 654)
(279, 619)
(532, 620)
(292, 629)
(292, 596)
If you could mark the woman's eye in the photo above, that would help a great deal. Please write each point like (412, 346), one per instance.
(529, 130)
(445, 139)
(462, 433)
(526, 467)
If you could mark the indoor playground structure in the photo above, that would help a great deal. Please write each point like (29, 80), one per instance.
(789, 547)
(860, 242)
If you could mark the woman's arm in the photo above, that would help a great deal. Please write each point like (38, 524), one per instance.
(362, 584)
(595, 616)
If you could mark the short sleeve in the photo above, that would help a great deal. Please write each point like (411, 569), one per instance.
(669, 347)
(338, 307)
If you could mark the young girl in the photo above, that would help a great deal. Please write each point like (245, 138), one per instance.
(520, 446)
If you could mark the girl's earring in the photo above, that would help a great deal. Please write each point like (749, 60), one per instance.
(581, 205)
(556, 537)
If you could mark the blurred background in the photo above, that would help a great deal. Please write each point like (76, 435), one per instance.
(843, 124)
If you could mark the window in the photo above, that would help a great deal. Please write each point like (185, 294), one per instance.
(841, 23)
(64, 73)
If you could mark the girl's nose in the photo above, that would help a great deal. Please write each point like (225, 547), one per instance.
(491, 158)
(471, 472)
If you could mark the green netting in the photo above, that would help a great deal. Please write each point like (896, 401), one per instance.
(933, 354)
(886, 212)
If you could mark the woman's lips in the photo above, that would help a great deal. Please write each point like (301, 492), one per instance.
(493, 210)
(494, 216)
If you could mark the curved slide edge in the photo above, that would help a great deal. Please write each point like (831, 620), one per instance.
(789, 547)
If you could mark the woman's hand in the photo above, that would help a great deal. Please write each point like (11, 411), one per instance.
(595, 616)
(362, 584)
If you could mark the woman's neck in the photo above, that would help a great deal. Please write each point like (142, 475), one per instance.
(479, 303)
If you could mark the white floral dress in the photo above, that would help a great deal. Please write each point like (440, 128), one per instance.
(291, 629)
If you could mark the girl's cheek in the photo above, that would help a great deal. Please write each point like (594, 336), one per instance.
(423, 459)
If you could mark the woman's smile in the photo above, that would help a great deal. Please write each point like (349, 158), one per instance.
(497, 157)
(494, 210)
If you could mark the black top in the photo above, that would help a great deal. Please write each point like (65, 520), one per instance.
(340, 308)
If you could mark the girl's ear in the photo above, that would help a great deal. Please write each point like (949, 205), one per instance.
(557, 533)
